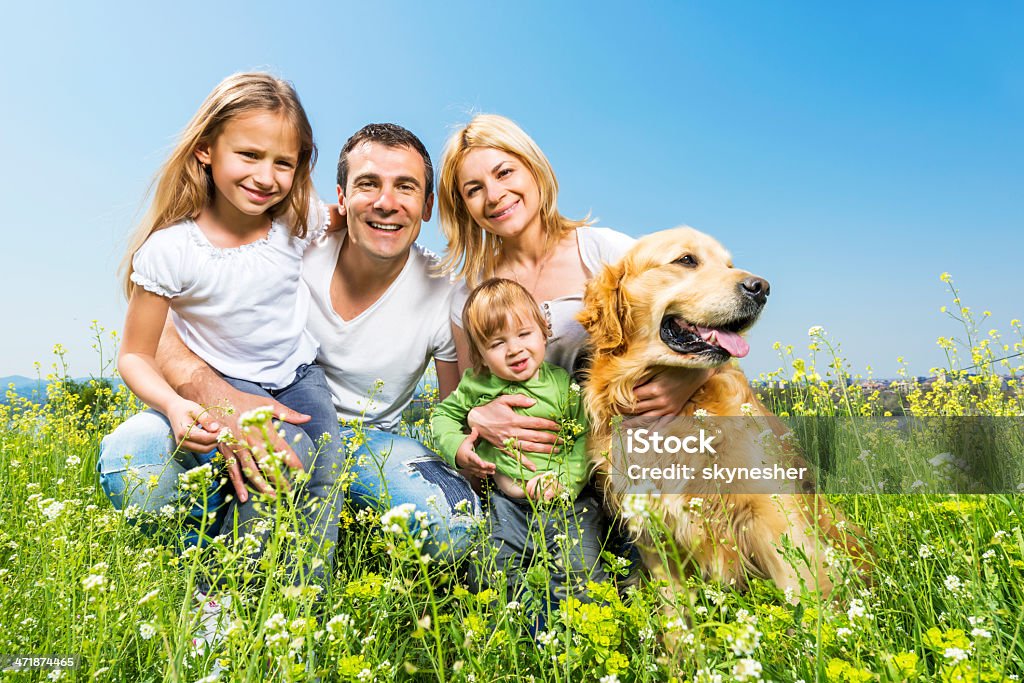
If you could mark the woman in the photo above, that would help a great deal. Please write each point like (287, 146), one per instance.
(498, 199)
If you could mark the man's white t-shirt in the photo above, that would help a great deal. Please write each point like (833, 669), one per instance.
(392, 341)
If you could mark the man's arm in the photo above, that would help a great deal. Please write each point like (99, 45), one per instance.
(193, 379)
(447, 377)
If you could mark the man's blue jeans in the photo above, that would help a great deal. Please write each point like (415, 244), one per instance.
(139, 466)
(391, 469)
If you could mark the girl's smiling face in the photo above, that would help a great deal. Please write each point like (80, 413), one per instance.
(252, 162)
(500, 192)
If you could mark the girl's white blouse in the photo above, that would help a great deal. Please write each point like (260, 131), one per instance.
(242, 310)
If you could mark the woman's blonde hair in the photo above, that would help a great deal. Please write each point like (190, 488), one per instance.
(489, 310)
(183, 186)
(473, 253)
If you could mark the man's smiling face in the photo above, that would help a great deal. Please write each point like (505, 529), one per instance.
(385, 199)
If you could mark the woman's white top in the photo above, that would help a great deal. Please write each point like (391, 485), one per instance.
(242, 310)
(568, 341)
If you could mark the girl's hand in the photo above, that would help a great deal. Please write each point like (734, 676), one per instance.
(469, 462)
(667, 391)
(498, 423)
(194, 427)
(339, 221)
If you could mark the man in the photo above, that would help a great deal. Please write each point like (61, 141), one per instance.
(379, 317)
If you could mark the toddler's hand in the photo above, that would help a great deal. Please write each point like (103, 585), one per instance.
(467, 460)
(544, 487)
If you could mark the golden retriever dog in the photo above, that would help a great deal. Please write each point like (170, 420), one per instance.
(675, 300)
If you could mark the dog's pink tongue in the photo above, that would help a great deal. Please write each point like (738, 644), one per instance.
(730, 341)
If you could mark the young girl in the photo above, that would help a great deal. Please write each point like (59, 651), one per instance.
(508, 338)
(214, 250)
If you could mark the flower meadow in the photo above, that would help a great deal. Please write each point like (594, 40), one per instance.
(945, 599)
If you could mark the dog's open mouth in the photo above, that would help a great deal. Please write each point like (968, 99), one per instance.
(684, 337)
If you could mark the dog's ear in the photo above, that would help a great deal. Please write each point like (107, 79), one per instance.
(605, 311)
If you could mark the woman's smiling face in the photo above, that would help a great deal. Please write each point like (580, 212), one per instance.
(500, 192)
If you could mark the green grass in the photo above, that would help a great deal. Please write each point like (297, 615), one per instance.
(76, 577)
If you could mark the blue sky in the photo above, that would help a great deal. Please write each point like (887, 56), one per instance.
(849, 153)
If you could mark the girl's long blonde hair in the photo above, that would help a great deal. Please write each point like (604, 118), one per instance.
(183, 187)
(473, 253)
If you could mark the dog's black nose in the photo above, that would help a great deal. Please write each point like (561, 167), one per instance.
(757, 289)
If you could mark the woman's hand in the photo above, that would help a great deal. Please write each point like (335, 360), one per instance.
(469, 462)
(667, 391)
(498, 423)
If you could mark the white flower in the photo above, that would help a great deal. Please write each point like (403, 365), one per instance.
(747, 669)
(256, 416)
(953, 583)
(857, 610)
(53, 509)
(610, 678)
(716, 596)
(955, 654)
(947, 460)
(146, 631)
(816, 331)
(924, 551)
(707, 676)
(747, 409)
(545, 638)
(94, 582)
(149, 596)
(396, 520)
(634, 506)
(981, 633)
(72, 461)
(700, 414)
(338, 623)
(276, 622)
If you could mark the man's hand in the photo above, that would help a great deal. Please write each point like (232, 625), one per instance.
(468, 461)
(246, 450)
(667, 391)
(497, 423)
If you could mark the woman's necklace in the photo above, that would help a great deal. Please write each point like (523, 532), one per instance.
(536, 280)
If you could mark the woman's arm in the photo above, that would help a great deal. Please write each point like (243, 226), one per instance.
(497, 422)
(667, 391)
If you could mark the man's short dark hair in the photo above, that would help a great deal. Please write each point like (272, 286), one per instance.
(389, 135)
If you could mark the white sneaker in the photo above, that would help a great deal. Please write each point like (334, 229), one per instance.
(212, 617)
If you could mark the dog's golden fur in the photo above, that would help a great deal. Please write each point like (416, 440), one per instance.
(684, 275)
